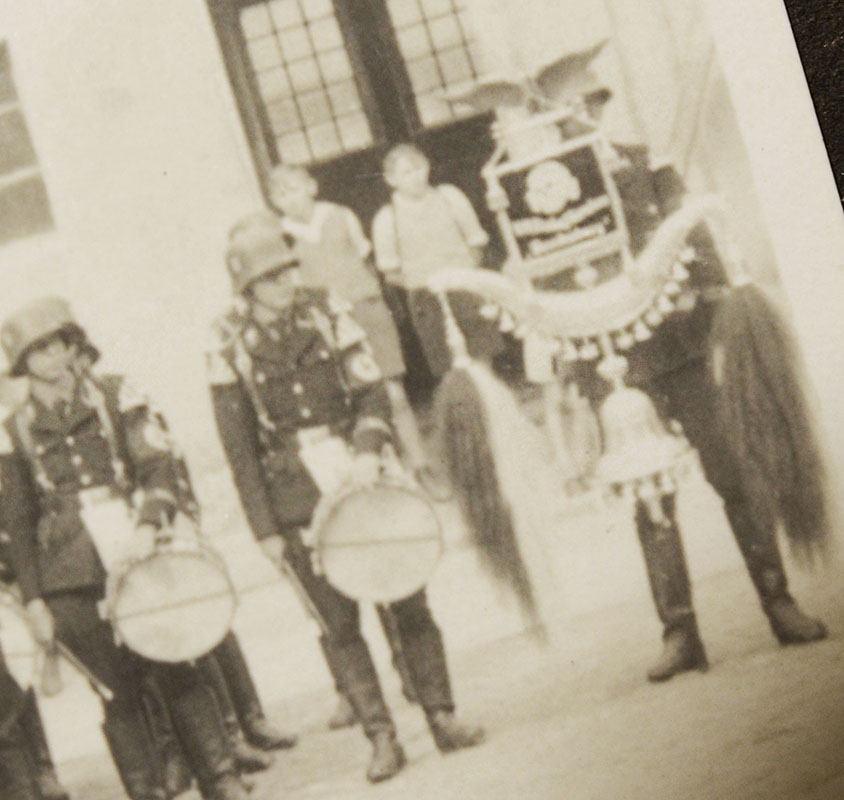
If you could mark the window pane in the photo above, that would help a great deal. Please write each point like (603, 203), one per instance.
(314, 108)
(414, 42)
(324, 140)
(304, 75)
(326, 35)
(445, 33)
(16, 149)
(24, 209)
(344, 97)
(455, 65)
(355, 131)
(264, 53)
(284, 116)
(274, 85)
(424, 75)
(285, 13)
(316, 9)
(293, 148)
(404, 12)
(335, 66)
(436, 8)
(255, 22)
(295, 44)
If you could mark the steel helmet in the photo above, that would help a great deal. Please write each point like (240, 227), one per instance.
(36, 321)
(256, 247)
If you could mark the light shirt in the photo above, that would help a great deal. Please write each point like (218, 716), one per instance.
(333, 249)
(419, 237)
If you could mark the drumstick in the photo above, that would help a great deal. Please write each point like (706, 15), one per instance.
(304, 596)
(98, 686)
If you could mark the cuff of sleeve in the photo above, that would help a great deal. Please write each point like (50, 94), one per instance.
(157, 505)
(371, 434)
(479, 239)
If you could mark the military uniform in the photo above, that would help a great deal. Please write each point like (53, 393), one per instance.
(104, 443)
(674, 368)
(310, 373)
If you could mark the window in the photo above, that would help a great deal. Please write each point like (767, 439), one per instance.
(319, 79)
(24, 205)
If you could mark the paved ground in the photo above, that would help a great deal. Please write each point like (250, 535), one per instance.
(765, 722)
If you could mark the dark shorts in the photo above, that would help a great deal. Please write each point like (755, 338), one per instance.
(376, 320)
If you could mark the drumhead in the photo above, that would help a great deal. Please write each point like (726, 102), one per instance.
(379, 544)
(20, 651)
(173, 605)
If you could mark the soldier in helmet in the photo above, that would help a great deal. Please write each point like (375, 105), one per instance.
(290, 371)
(77, 448)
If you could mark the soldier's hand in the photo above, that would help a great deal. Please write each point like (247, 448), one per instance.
(273, 549)
(366, 469)
(41, 622)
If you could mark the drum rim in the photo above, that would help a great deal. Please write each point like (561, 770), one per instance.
(203, 549)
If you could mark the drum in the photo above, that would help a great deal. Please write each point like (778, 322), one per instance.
(19, 648)
(175, 604)
(379, 543)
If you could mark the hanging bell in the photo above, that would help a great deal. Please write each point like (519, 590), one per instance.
(641, 332)
(679, 272)
(636, 443)
(589, 351)
(570, 351)
(506, 323)
(665, 305)
(489, 311)
(688, 254)
(624, 340)
(672, 288)
(653, 317)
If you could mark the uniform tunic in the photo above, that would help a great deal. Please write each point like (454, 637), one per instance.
(333, 251)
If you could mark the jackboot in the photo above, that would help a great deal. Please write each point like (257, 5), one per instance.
(176, 772)
(423, 654)
(668, 576)
(133, 754)
(363, 692)
(388, 757)
(32, 727)
(247, 758)
(344, 715)
(199, 725)
(243, 697)
(758, 546)
(16, 766)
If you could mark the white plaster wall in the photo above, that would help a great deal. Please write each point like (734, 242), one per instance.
(146, 169)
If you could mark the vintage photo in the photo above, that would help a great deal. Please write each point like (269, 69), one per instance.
(417, 399)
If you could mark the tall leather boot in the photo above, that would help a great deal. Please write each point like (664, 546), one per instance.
(33, 730)
(758, 546)
(176, 772)
(133, 753)
(244, 700)
(360, 683)
(668, 576)
(247, 758)
(344, 715)
(198, 722)
(391, 632)
(16, 767)
(424, 656)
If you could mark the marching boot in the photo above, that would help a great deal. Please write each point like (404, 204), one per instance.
(246, 758)
(199, 724)
(257, 729)
(391, 631)
(176, 772)
(344, 715)
(133, 755)
(761, 554)
(363, 692)
(424, 656)
(32, 727)
(388, 757)
(668, 576)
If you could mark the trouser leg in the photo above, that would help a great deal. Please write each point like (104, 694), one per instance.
(17, 771)
(36, 738)
(241, 688)
(81, 629)
(393, 635)
(346, 651)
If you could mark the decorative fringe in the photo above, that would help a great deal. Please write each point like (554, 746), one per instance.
(471, 463)
(767, 418)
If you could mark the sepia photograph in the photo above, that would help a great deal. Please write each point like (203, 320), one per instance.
(419, 400)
